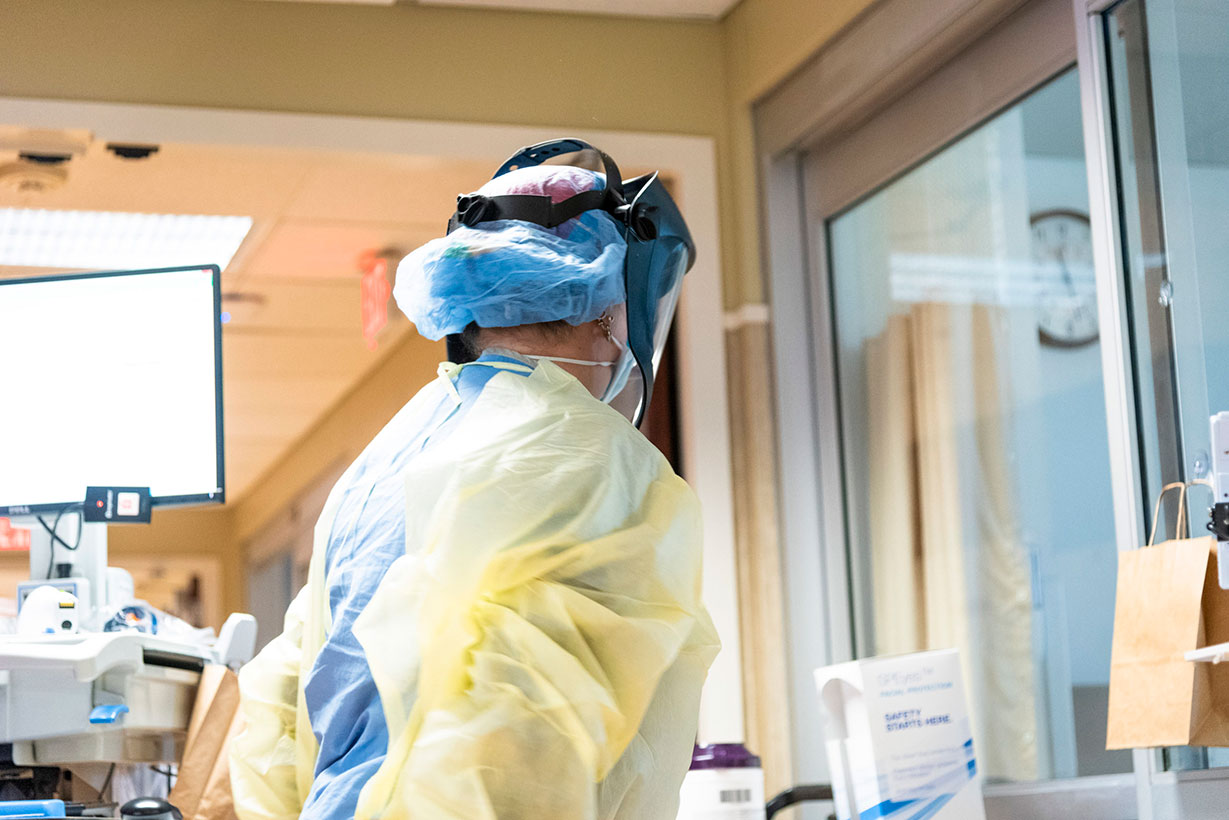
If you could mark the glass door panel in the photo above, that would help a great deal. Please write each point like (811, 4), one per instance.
(973, 432)
(1168, 64)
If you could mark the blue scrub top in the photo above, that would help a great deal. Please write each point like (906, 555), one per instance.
(368, 535)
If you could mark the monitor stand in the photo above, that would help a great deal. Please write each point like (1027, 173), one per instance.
(87, 563)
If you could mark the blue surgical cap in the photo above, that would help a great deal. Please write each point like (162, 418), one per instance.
(509, 272)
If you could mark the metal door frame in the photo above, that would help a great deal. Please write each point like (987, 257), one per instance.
(1161, 795)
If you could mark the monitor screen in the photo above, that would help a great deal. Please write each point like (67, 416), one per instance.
(110, 379)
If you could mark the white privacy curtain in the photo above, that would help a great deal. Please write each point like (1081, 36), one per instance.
(945, 399)
(950, 568)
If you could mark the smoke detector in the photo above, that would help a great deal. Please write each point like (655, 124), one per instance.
(45, 142)
(32, 177)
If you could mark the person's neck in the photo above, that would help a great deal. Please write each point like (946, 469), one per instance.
(507, 353)
(591, 377)
(587, 344)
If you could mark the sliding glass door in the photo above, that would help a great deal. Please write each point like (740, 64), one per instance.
(973, 431)
(959, 345)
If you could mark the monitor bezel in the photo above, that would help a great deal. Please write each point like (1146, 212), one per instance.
(219, 495)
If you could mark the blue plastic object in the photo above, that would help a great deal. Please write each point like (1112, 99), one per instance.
(32, 808)
(135, 617)
(107, 713)
(510, 272)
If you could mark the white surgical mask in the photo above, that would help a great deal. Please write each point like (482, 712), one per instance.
(562, 360)
(618, 378)
(623, 368)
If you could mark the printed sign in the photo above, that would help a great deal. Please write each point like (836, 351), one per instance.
(375, 291)
(900, 744)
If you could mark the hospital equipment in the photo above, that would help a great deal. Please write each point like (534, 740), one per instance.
(1219, 476)
(121, 387)
(48, 610)
(148, 808)
(725, 782)
(794, 795)
(1218, 480)
(120, 409)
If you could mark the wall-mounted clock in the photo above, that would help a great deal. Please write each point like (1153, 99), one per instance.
(1066, 292)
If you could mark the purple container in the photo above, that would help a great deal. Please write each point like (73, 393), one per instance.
(723, 756)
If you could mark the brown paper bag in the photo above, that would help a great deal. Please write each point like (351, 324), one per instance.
(217, 802)
(1169, 602)
(202, 791)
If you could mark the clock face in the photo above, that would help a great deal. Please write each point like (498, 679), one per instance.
(1066, 281)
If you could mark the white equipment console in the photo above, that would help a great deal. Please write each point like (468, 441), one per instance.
(1218, 480)
(1219, 475)
(81, 695)
(94, 675)
(106, 696)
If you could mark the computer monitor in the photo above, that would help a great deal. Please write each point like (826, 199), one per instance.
(111, 379)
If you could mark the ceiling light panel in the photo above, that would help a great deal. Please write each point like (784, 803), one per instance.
(115, 240)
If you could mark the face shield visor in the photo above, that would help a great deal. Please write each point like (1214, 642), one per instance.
(660, 251)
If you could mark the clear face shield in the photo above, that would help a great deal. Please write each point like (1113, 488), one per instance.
(631, 398)
(659, 252)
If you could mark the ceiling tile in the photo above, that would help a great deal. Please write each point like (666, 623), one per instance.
(262, 304)
(293, 357)
(380, 189)
(256, 182)
(331, 250)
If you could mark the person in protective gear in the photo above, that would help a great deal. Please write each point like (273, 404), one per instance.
(502, 617)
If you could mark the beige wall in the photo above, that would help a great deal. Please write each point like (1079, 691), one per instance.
(392, 61)
(764, 41)
(198, 532)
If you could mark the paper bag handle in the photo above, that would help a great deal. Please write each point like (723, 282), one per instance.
(1182, 531)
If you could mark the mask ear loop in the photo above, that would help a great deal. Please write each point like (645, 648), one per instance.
(557, 359)
(605, 323)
